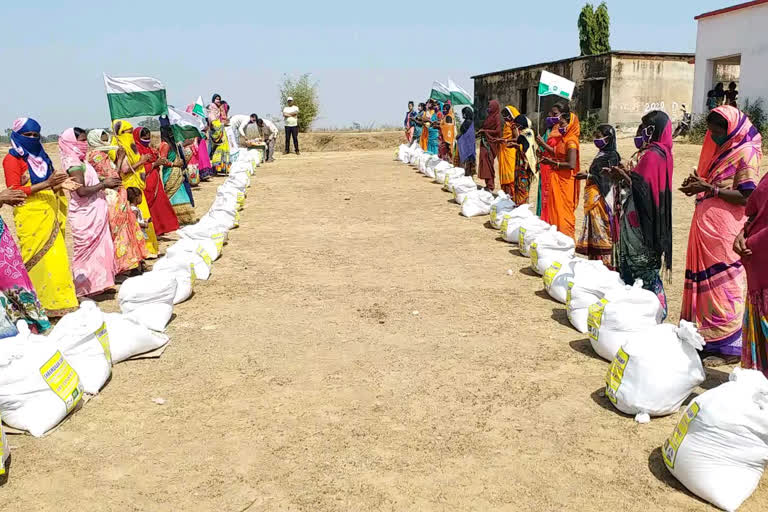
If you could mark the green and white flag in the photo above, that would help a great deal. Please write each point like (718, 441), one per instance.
(135, 97)
(199, 108)
(439, 92)
(551, 84)
(185, 125)
(459, 96)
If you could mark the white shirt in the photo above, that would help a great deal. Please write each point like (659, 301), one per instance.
(239, 122)
(269, 130)
(291, 120)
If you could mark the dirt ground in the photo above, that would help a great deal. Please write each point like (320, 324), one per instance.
(360, 346)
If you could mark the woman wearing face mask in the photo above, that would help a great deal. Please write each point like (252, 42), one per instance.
(417, 120)
(93, 258)
(163, 216)
(214, 108)
(715, 283)
(525, 167)
(447, 133)
(508, 150)
(489, 134)
(466, 142)
(596, 240)
(433, 129)
(645, 211)
(564, 188)
(41, 220)
(545, 143)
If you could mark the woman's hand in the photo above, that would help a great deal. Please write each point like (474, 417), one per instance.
(56, 179)
(12, 197)
(618, 173)
(119, 154)
(540, 141)
(549, 161)
(694, 185)
(740, 246)
(112, 183)
(581, 175)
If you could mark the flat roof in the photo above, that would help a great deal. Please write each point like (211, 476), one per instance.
(630, 53)
(732, 8)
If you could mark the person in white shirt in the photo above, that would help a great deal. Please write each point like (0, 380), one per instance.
(240, 121)
(268, 132)
(291, 115)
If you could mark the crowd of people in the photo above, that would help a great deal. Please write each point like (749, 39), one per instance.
(115, 192)
(628, 205)
(718, 96)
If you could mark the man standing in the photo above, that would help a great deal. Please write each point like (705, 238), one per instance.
(291, 115)
(268, 132)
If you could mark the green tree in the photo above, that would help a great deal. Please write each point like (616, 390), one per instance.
(304, 94)
(594, 29)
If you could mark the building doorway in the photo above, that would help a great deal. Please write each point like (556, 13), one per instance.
(726, 71)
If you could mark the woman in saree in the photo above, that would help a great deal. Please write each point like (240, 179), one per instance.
(447, 133)
(489, 134)
(40, 221)
(175, 180)
(564, 162)
(214, 108)
(596, 240)
(645, 207)
(715, 282)
(752, 245)
(129, 164)
(466, 148)
(220, 159)
(93, 257)
(417, 121)
(160, 209)
(545, 144)
(127, 237)
(507, 150)
(525, 166)
(433, 129)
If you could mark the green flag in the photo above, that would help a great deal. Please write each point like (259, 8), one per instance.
(185, 125)
(459, 96)
(551, 84)
(439, 92)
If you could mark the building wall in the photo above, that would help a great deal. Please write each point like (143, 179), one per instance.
(641, 84)
(739, 32)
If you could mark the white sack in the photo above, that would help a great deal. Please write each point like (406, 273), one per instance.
(549, 247)
(461, 181)
(501, 206)
(444, 177)
(441, 169)
(148, 299)
(511, 222)
(719, 448)
(5, 449)
(38, 387)
(528, 231)
(463, 189)
(128, 338)
(557, 276)
(182, 271)
(586, 287)
(477, 203)
(656, 370)
(199, 253)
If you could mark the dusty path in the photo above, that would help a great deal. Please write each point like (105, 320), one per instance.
(301, 377)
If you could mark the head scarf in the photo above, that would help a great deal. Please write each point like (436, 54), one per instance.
(513, 112)
(468, 119)
(492, 123)
(124, 139)
(144, 148)
(31, 150)
(526, 131)
(96, 144)
(606, 157)
(741, 151)
(448, 128)
(72, 151)
(573, 136)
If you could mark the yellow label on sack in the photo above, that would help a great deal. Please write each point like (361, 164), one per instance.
(615, 374)
(493, 213)
(568, 294)
(521, 238)
(550, 273)
(62, 380)
(240, 197)
(192, 275)
(465, 199)
(103, 336)
(671, 445)
(204, 254)
(595, 318)
(534, 254)
(505, 225)
(454, 193)
(446, 180)
(237, 219)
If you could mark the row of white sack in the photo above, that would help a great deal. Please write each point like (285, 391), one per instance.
(719, 448)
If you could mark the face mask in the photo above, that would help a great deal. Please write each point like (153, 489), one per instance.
(719, 139)
(601, 143)
(82, 148)
(645, 137)
(563, 130)
(639, 142)
(552, 121)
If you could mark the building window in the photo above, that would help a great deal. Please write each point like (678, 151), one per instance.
(595, 94)
(523, 95)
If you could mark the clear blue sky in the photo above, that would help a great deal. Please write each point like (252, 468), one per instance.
(369, 58)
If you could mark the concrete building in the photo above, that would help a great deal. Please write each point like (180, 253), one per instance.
(618, 87)
(732, 46)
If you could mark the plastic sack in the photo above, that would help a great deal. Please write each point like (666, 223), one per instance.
(402, 153)
(501, 206)
(5, 449)
(451, 183)
(719, 448)
(444, 177)
(129, 338)
(200, 253)
(511, 222)
(529, 230)
(38, 387)
(477, 203)
(83, 340)
(619, 313)
(440, 170)
(182, 271)
(148, 299)
(549, 247)
(557, 276)
(463, 189)
(587, 286)
(656, 370)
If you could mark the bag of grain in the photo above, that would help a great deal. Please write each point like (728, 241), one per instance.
(656, 370)
(38, 387)
(549, 247)
(620, 313)
(129, 338)
(182, 271)
(477, 203)
(558, 274)
(511, 222)
(588, 285)
(530, 229)
(501, 206)
(83, 340)
(445, 177)
(440, 171)
(463, 189)
(452, 183)
(402, 152)
(148, 299)
(719, 448)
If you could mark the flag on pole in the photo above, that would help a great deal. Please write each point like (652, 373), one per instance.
(551, 84)
(199, 108)
(134, 97)
(459, 96)
(439, 92)
(185, 125)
